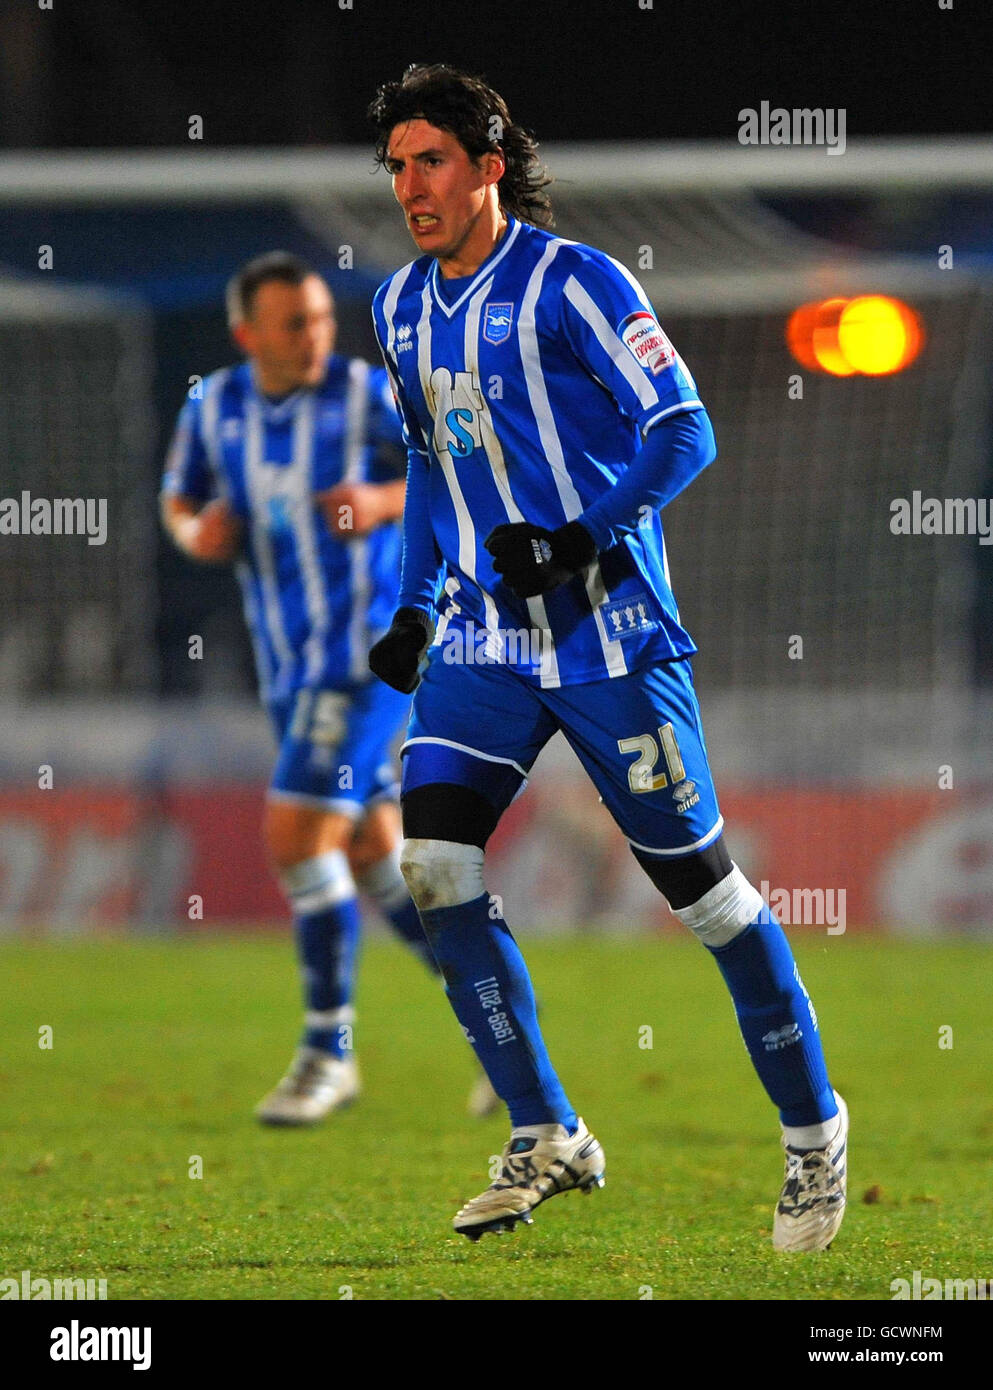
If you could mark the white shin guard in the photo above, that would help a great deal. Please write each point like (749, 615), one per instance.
(724, 911)
(442, 873)
(318, 883)
(384, 882)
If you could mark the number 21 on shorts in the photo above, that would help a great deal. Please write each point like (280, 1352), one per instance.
(642, 776)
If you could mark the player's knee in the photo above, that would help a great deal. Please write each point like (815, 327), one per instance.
(684, 880)
(441, 873)
(381, 878)
(375, 841)
(294, 834)
(318, 883)
(707, 892)
(363, 856)
(724, 911)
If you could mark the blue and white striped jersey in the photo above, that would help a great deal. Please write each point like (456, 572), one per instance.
(314, 603)
(525, 391)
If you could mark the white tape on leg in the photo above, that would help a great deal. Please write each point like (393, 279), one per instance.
(724, 911)
(442, 873)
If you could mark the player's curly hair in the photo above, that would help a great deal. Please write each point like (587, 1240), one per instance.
(466, 107)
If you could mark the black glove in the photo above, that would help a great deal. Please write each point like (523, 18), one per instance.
(532, 560)
(397, 655)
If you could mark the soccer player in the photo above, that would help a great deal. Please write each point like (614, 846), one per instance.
(548, 419)
(291, 464)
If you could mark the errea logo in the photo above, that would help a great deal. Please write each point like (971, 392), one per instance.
(403, 336)
(779, 1038)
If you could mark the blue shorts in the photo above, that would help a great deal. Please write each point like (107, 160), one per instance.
(334, 746)
(638, 736)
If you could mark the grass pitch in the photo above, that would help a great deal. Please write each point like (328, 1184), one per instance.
(162, 1048)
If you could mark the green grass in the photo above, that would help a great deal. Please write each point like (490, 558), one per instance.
(161, 1050)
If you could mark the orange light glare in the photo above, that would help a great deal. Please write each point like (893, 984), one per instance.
(872, 335)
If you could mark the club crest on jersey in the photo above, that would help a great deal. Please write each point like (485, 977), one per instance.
(497, 319)
(643, 337)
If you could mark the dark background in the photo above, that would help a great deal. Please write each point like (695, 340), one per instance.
(116, 73)
(129, 74)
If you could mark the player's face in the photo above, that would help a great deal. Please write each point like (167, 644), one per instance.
(441, 190)
(290, 334)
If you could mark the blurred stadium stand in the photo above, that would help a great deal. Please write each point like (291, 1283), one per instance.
(828, 766)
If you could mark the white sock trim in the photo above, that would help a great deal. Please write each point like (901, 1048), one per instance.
(442, 873)
(724, 911)
(818, 1136)
(317, 883)
(329, 1018)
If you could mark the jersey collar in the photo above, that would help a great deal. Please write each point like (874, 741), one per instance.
(492, 260)
(279, 410)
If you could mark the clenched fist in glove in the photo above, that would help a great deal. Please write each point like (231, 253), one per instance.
(532, 560)
(396, 656)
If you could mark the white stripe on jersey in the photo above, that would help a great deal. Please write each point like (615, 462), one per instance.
(623, 270)
(390, 356)
(356, 420)
(299, 475)
(390, 306)
(210, 434)
(615, 349)
(551, 445)
(211, 420)
(494, 454)
(679, 361)
(356, 417)
(467, 531)
(259, 496)
(424, 354)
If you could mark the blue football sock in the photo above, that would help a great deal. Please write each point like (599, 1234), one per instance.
(327, 920)
(490, 990)
(777, 1021)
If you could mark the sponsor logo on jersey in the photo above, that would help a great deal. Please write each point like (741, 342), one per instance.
(497, 319)
(403, 338)
(643, 337)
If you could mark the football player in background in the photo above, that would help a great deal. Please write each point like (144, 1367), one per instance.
(291, 465)
(548, 420)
